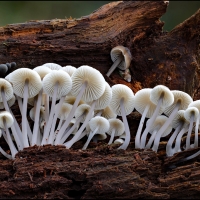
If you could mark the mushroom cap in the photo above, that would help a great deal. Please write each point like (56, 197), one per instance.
(69, 69)
(3, 69)
(101, 136)
(123, 136)
(195, 104)
(82, 109)
(105, 98)
(52, 66)
(57, 76)
(116, 124)
(118, 141)
(120, 91)
(142, 99)
(72, 99)
(32, 113)
(5, 115)
(179, 118)
(124, 53)
(64, 110)
(8, 89)
(159, 121)
(10, 102)
(157, 91)
(100, 122)
(191, 111)
(42, 71)
(18, 79)
(96, 83)
(8, 76)
(183, 97)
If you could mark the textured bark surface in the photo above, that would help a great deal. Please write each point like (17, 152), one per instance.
(169, 58)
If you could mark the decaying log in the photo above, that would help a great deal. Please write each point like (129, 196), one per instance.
(169, 58)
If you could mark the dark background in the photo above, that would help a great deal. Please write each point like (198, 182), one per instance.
(22, 11)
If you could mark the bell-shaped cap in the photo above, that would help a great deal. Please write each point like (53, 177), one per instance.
(124, 54)
(82, 109)
(69, 69)
(120, 91)
(180, 119)
(191, 111)
(95, 83)
(42, 71)
(7, 117)
(7, 88)
(52, 66)
(116, 124)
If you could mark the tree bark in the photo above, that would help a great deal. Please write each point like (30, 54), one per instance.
(168, 58)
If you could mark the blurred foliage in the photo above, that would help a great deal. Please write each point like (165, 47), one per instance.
(22, 11)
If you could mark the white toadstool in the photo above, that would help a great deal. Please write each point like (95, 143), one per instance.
(191, 114)
(55, 84)
(6, 121)
(146, 107)
(106, 113)
(121, 56)
(181, 101)
(122, 103)
(26, 84)
(97, 125)
(116, 129)
(87, 84)
(69, 69)
(52, 66)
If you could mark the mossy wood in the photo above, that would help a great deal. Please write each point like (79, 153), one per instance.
(168, 58)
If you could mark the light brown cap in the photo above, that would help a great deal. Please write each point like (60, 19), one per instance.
(72, 99)
(64, 110)
(124, 53)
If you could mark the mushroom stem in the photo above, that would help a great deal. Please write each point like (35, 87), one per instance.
(151, 121)
(91, 135)
(112, 137)
(169, 149)
(196, 132)
(60, 123)
(51, 138)
(17, 139)
(77, 135)
(66, 135)
(126, 126)
(99, 113)
(5, 154)
(37, 117)
(48, 126)
(71, 114)
(114, 65)
(46, 106)
(151, 139)
(189, 132)
(165, 126)
(177, 147)
(24, 119)
(28, 126)
(10, 142)
(138, 134)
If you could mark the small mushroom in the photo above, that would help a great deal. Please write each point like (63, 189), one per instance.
(69, 69)
(116, 129)
(3, 69)
(121, 57)
(122, 104)
(191, 114)
(107, 113)
(97, 125)
(52, 66)
(55, 84)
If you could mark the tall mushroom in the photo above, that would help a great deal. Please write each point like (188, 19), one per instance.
(88, 84)
(57, 85)
(121, 57)
(181, 102)
(26, 84)
(122, 103)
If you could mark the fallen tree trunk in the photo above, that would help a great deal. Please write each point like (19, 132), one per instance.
(168, 58)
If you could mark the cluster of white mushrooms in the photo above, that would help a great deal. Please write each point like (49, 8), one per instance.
(65, 101)
(79, 102)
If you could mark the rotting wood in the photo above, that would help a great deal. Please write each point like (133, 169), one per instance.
(169, 58)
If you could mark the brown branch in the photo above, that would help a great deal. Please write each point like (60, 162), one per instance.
(159, 57)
